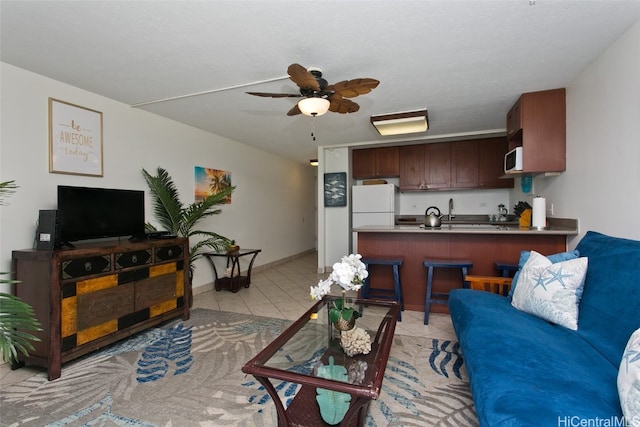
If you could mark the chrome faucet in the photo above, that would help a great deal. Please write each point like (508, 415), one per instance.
(450, 209)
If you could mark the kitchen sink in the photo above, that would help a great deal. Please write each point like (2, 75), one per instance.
(469, 226)
(481, 226)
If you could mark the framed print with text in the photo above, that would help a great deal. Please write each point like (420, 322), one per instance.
(75, 139)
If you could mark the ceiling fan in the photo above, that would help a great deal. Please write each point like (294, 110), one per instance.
(318, 96)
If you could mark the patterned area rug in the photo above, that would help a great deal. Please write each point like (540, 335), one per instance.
(189, 373)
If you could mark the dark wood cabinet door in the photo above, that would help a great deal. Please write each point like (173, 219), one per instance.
(464, 164)
(491, 153)
(437, 160)
(514, 123)
(363, 163)
(376, 162)
(388, 161)
(544, 131)
(412, 160)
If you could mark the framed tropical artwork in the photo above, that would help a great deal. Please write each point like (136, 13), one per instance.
(210, 181)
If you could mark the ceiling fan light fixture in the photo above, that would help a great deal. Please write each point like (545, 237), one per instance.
(401, 123)
(313, 106)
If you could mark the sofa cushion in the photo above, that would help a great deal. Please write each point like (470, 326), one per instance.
(525, 371)
(551, 291)
(610, 305)
(629, 380)
(524, 257)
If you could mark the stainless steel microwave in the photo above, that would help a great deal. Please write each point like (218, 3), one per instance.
(513, 160)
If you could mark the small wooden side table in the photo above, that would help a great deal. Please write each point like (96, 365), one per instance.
(235, 279)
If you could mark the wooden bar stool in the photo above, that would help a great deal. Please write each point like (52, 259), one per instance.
(506, 269)
(393, 294)
(463, 264)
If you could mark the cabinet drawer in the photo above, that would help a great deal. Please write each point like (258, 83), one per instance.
(166, 253)
(133, 258)
(80, 267)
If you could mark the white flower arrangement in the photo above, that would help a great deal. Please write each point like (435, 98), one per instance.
(349, 273)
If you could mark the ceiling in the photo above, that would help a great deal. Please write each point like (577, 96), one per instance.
(465, 61)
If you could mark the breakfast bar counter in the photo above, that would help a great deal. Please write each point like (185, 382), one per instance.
(483, 244)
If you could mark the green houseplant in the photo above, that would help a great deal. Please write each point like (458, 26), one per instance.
(180, 219)
(17, 318)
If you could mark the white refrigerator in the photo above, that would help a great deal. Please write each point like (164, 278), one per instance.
(373, 205)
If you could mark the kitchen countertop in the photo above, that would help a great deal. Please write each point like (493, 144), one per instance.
(557, 226)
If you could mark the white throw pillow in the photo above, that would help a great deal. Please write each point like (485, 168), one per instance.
(629, 380)
(551, 291)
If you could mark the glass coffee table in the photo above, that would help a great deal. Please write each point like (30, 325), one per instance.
(296, 354)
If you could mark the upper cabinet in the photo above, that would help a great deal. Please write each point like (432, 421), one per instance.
(425, 166)
(376, 163)
(537, 123)
(464, 166)
(491, 153)
(458, 165)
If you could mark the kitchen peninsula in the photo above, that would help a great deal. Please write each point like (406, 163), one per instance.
(482, 243)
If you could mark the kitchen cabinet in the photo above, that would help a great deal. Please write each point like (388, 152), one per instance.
(491, 153)
(470, 164)
(437, 165)
(95, 294)
(464, 165)
(513, 120)
(376, 162)
(537, 123)
(412, 167)
(425, 166)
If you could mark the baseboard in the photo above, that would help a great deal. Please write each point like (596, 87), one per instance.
(259, 268)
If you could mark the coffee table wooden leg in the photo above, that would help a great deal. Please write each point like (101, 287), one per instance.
(357, 412)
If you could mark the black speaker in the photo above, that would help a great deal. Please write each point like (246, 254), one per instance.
(48, 236)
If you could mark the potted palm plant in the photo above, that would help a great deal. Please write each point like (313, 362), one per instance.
(17, 318)
(180, 219)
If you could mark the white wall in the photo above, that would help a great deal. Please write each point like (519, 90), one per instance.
(273, 207)
(601, 186)
(334, 232)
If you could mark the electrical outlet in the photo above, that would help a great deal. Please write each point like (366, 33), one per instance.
(550, 209)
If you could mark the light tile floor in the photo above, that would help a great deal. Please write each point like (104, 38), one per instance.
(280, 291)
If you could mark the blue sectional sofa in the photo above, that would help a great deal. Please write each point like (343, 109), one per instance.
(526, 371)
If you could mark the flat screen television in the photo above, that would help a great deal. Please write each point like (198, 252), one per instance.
(93, 213)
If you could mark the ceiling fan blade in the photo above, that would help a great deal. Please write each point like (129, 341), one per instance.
(342, 105)
(353, 88)
(294, 111)
(303, 78)
(275, 95)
